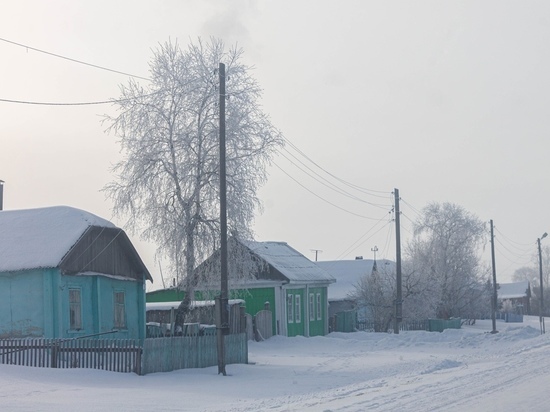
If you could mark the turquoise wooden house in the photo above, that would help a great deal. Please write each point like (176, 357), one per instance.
(66, 273)
(292, 286)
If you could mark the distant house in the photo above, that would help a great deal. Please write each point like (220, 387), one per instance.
(518, 293)
(347, 273)
(344, 310)
(292, 286)
(67, 273)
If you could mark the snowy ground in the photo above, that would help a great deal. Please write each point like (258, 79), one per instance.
(457, 370)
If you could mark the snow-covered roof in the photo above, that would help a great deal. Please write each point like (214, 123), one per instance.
(40, 238)
(513, 290)
(194, 304)
(291, 263)
(347, 274)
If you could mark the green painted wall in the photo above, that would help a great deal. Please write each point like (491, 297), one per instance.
(295, 316)
(318, 318)
(165, 295)
(255, 300)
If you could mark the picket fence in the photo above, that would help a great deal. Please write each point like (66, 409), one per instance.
(124, 355)
(117, 355)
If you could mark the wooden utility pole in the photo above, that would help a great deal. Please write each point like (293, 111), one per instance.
(494, 299)
(398, 295)
(541, 314)
(223, 300)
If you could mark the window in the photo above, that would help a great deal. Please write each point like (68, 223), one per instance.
(75, 310)
(290, 307)
(319, 307)
(298, 311)
(120, 313)
(311, 306)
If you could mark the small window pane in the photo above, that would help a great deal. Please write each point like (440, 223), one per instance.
(290, 307)
(75, 309)
(319, 311)
(311, 306)
(298, 314)
(120, 313)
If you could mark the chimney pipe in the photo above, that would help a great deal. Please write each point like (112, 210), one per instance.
(1, 195)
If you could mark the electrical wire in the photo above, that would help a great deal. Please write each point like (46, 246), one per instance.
(73, 60)
(327, 183)
(320, 197)
(512, 241)
(370, 192)
(355, 244)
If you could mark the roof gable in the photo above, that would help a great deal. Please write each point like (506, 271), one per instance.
(39, 238)
(45, 238)
(513, 290)
(290, 263)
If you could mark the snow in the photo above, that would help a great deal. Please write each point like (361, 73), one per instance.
(194, 304)
(39, 238)
(456, 370)
(513, 290)
(291, 263)
(348, 273)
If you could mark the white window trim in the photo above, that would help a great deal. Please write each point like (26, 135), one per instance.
(290, 307)
(312, 306)
(319, 307)
(298, 308)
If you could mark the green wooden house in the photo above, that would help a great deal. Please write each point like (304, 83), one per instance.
(292, 286)
(66, 273)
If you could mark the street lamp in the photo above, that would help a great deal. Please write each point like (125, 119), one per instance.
(541, 317)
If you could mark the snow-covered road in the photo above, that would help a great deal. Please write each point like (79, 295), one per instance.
(457, 370)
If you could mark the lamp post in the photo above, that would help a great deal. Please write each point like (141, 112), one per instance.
(541, 317)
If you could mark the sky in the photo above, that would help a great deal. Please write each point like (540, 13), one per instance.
(445, 101)
(455, 370)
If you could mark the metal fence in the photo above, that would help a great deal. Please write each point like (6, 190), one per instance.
(117, 355)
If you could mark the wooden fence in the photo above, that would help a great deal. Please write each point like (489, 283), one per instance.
(124, 355)
(117, 355)
(406, 325)
(182, 352)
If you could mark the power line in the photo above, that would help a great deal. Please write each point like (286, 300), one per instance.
(76, 103)
(73, 60)
(320, 197)
(329, 184)
(356, 244)
(370, 192)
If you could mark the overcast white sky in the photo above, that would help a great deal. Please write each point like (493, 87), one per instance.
(446, 101)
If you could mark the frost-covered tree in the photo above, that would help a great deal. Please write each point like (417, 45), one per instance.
(375, 293)
(445, 249)
(167, 182)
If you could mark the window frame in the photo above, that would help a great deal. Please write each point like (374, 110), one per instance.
(75, 309)
(119, 310)
(312, 306)
(319, 307)
(298, 308)
(290, 307)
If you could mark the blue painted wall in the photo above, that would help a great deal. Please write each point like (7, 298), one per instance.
(35, 303)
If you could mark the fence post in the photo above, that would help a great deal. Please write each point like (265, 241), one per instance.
(138, 360)
(54, 356)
